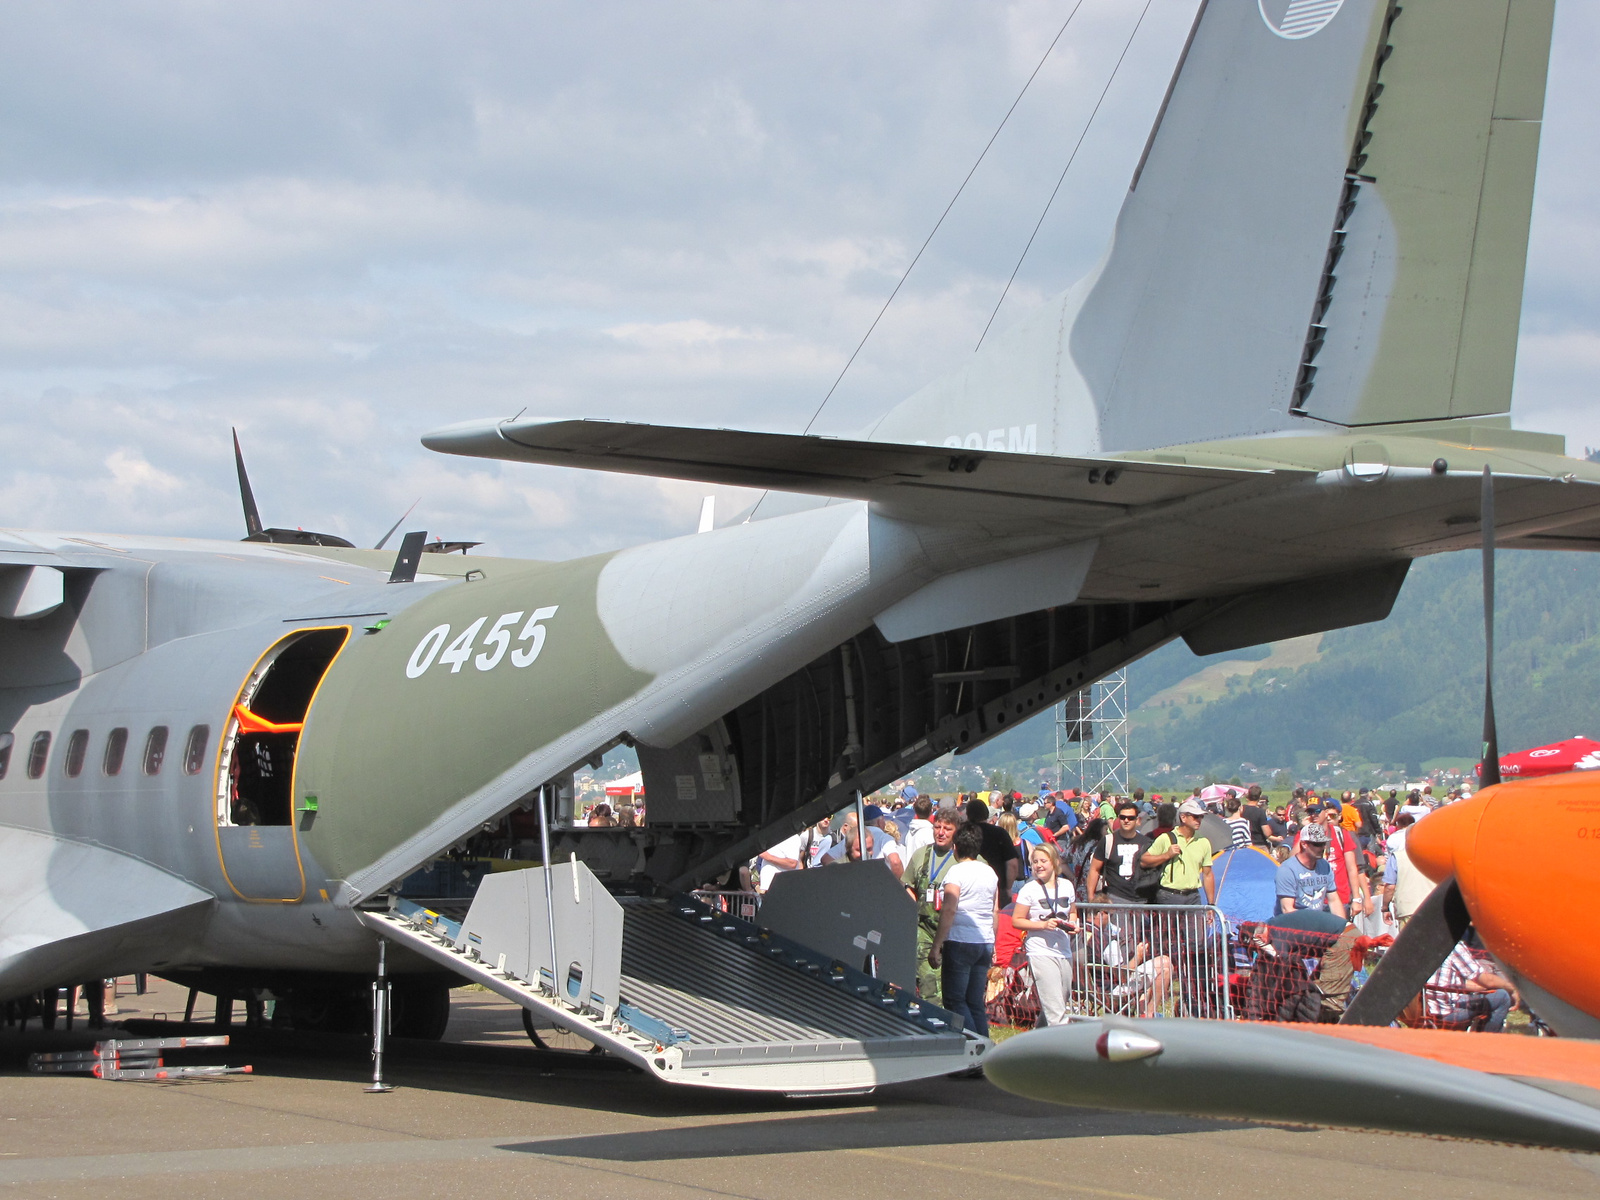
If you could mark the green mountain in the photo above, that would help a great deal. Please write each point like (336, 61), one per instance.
(1398, 694)
(1410, 689)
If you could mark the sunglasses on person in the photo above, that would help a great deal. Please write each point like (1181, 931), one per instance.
(1128, 816)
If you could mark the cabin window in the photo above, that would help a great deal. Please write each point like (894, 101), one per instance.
(37, 753)
(77, 746)
(116, 748)
(6, 742)
(155, 750)
(194, 750)
(262, 737)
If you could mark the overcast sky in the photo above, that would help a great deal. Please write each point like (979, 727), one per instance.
(337, 226)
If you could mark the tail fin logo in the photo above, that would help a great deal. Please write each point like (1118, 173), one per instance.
(1298, 18)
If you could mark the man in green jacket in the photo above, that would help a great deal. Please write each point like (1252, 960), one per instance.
(924, 879)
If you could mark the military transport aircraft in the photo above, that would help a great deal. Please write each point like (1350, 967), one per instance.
(1278, 387)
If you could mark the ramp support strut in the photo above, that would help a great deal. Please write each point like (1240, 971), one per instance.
(380, 1019)
(549, 901)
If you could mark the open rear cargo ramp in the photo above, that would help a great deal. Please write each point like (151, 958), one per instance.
(690, 995)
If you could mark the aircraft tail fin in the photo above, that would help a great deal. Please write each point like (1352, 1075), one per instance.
(1329, 221)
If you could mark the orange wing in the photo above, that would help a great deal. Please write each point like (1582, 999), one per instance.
(1567, 1060)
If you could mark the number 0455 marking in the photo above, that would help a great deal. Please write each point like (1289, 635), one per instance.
(494, 645)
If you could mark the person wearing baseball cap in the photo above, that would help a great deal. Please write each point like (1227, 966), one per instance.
(1305, 880)
(1184, 857)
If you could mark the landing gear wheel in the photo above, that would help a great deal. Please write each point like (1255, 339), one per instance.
(330, 1011)
(421, 1009)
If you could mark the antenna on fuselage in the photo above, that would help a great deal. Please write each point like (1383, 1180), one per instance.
(252, 518)
(405, 563)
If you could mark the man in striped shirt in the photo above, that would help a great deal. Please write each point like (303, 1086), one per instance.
(1479, 987)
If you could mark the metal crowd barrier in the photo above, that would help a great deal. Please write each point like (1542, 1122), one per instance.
(736, 904)
(1139, 960)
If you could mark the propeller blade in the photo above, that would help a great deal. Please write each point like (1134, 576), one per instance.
(396, 525)
(252, 518)
(1433, 931)
(1489, 770)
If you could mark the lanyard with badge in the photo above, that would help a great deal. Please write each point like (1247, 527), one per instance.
(1055, 898)
(935, 894)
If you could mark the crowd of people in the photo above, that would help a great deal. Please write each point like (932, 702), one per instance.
(1064, 882)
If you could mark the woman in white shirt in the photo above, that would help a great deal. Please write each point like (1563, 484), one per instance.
(963, 946)
(1047, 910)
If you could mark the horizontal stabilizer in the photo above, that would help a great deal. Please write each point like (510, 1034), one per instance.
(72, 911)
(923, 482)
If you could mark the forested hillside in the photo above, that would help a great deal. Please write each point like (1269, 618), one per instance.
(1410, 688)
(1401, 692)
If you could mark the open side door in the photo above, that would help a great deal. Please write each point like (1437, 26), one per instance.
(255, 800)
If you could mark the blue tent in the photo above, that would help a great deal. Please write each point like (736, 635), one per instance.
(1246, 889)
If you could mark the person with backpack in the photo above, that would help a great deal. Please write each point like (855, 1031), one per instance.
(924, 879)
(1115, 866)
(1078, 857)
(1370, 831)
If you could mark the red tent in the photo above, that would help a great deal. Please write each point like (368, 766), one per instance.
(1574, 754)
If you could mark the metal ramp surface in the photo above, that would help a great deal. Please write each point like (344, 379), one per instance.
(709, 1000)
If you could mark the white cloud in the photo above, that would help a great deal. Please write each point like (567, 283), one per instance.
(337, 231)
(130, 472)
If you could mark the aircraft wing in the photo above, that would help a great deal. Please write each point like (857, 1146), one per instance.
(1494, 1087)
(925, 481)
(75, 910)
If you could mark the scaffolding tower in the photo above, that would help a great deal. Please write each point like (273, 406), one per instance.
(1070, 729)
(1096, 719)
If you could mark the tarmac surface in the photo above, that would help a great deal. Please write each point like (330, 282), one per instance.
(485, 1114)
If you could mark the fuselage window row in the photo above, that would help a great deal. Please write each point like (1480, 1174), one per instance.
(116, 749)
